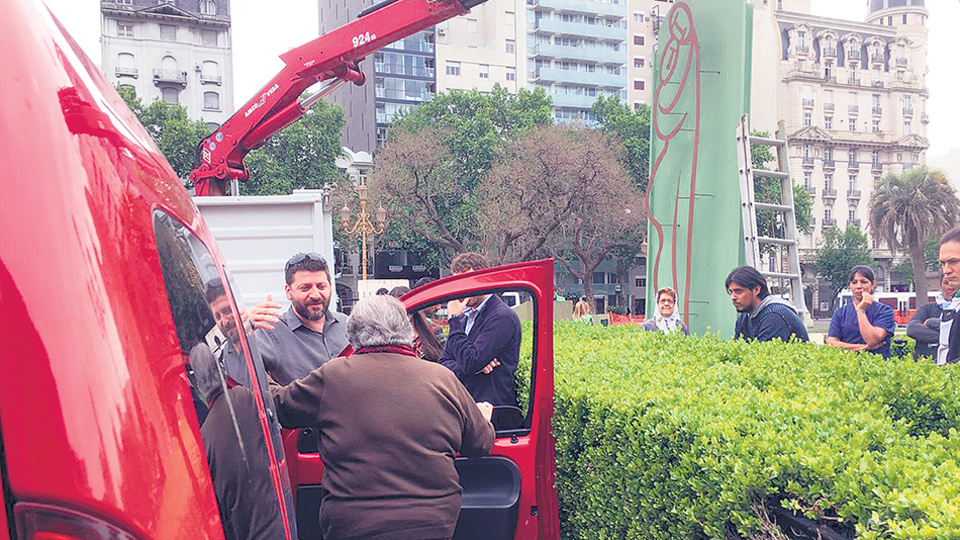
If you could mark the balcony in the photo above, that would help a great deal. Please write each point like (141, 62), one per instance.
(414, 43)
(211, 79)
(563, 52)
(876, 84)
(925, 118)
(853, 193)
(828, 106)
(908, 111)
(877, 111)
(901, 62)
(401, 69)
(582, 6)
(573, 101)
(853, 165)
(853, 54)
(829, 164)
(807, 102)
(853, 80)
(803, 49)
(586, 78)
(127, 72)
(829, 222)
(418, 96)
(811, 190)
(854, 222)
(553, 26)
(877, 167)
(829, 193)
(876, 58)
(808, 160)
(830, 51)
(830, 79)
(853, 109)
(169, 76)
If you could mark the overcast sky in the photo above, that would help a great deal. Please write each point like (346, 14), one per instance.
(261, 34)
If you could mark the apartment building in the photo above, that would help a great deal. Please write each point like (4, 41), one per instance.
(399, 76)
(643, 26)
(577, 51)
(175, 50)
(853, 98)
(483, 48)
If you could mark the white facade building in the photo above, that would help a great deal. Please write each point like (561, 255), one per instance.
(175, 50)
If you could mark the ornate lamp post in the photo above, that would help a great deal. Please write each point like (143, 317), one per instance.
(363, 225)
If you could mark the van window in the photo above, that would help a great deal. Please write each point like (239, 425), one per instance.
(226, 385)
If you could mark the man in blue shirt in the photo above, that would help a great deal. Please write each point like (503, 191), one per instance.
(483, 347)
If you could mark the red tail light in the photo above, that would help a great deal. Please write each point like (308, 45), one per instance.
(36, 521)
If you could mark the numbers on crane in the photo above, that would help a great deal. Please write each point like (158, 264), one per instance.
(362, 39)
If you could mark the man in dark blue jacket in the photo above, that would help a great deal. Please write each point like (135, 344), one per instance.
(762, 317)
(483, 347)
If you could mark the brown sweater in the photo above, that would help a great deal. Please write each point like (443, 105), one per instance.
(390, 426)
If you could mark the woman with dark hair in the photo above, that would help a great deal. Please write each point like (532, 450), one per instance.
(864, 325)
(425, 341)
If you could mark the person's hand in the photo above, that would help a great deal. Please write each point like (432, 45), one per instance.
(486, 410)
(265, 314)
(865, 302)
(456, 307)
(488, 369)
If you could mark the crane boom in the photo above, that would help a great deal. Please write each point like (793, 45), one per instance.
(333, 57)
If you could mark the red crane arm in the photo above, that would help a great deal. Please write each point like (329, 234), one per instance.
(333, 56)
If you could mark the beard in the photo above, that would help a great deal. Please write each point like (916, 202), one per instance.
(303, 309)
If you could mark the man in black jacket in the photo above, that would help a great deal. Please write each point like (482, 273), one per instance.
(762, 317)
(949, 350)
(483, 347)
(924, 326)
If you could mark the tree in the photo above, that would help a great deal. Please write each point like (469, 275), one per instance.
(300, 156)
(931, 255)
(605, 211)
(173, 132)
(632, 129)
(841, 251)
(909, 208)
(437, 155)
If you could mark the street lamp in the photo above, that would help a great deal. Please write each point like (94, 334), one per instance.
(363, 225)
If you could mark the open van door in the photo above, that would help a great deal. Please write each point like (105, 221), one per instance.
(509, 494)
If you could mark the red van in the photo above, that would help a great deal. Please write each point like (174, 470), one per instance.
(118, 330)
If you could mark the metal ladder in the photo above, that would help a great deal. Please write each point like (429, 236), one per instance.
(786, 270)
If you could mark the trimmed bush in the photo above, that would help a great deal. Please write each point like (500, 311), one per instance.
(670, 437)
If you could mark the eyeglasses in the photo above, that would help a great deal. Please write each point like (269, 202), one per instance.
(300, 257)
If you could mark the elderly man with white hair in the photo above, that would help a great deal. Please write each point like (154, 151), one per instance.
(390, 426)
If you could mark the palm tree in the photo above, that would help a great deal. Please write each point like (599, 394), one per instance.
(908, 208)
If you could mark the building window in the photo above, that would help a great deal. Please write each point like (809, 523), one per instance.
(852, 214)
(511, 18)
(511, 46)
(208, 38)
(168, 32)
(211, 101)
(171, 96)
(639, 85)
(381, 135)
(212, 126)
(828, 155)
(853, 181)
(906, 127)
(598, 277)
(453, 68)
(125, 2)
(852, 124)
(638, 40)
(826, 215)
(511, 73)
(828, 181)
(875, 126)
(640, 282)
(808, 179)
(807, 118)
(124, 30)
(472, 26)
(208, 7)
(639, 62)
(851, 156)
(904, 18)
(484, 71)
(875, 157)
(828, 122)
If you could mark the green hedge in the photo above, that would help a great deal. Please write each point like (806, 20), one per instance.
(669, 437)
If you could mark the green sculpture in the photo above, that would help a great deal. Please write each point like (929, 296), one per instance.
(702, 89)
